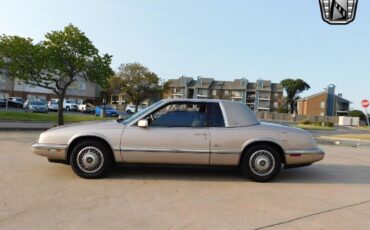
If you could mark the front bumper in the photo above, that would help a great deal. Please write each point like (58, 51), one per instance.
(303, 156)
(51, 151)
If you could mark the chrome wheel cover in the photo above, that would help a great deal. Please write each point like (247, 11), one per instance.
(90, 159)
(262, 163)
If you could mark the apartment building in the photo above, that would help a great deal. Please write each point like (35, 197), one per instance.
(325, 103)
(261, 95)
(78, 91)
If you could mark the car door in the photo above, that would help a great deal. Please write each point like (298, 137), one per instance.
(224, 142)
(176, 133)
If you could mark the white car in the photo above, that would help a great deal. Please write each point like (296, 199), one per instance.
(86, 106)
(130, 109)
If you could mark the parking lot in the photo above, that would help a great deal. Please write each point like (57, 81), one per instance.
(36, 194)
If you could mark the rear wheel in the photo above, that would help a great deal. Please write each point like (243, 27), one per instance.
(90, 159)
(261, 163)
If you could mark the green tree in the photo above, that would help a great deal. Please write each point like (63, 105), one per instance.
(293, 87)
(56, 63)
(139, 83)
(357, 113)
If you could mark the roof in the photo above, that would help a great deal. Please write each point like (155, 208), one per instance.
(313, 95)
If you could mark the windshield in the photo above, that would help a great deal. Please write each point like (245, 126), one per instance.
(37, 103)
(141, 112)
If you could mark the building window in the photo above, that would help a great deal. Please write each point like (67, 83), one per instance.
(322, 114)
(236, 93)
(19, 82)
(214, 92)
(276, 105)
(174, 90)
(226, 92)
(322, 105)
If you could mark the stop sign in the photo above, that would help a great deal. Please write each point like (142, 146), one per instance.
(365, 103)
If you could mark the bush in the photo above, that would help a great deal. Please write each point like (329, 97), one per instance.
(305, 122)
(329, 124)
(282, 110)
(318, 123)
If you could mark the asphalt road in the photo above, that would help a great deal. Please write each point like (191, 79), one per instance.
(36, 194)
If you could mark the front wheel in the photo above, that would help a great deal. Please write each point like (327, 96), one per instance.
(90, 159)
(261, 163)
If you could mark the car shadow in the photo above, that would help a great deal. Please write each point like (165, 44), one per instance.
(314, 174)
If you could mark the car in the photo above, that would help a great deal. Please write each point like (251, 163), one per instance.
(182, 131)
(86, 106)
(53, 105)
(2, 102)
(109, 111)
(131, 109)
(36, 105)
(16, 102)
(69, 105)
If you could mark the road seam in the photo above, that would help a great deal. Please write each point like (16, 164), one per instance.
(313, 214)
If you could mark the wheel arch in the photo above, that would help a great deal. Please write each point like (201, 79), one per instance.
(74, 141)
(270, 143)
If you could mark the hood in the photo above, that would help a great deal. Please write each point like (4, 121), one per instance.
(89, 125)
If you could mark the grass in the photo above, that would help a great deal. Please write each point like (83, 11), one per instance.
(314, 127)
(365, 137)
(48, 117)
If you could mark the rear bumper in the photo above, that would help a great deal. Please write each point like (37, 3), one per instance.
(51, 151)
(303, 156)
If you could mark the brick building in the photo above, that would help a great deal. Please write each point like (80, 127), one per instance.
(261, 95)
(325, 103)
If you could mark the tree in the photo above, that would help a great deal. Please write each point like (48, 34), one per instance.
(139, 83)
(293, 88)
(357, 113)
(56, 63)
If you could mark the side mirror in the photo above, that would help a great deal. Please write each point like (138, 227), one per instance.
(143, 123)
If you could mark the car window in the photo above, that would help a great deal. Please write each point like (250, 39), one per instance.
(216, 118)
(141, 113)
(180, 115)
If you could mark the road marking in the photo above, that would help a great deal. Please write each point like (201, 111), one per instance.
(314, 214)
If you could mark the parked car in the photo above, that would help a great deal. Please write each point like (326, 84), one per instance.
(53, 105)
(16, 102)
(86, 106)
(36, 105)
(131, 109)
(69, 105)
(109, 111)
(182, 131)
(2, 102)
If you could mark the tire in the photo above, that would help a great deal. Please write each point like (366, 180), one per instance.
(261, 163)
(67, 108)
(83, 156)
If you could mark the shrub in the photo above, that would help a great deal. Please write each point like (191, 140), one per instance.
(329, 124)
(305, 122)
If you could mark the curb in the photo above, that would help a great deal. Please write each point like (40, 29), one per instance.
(348, 143)
(23, 129)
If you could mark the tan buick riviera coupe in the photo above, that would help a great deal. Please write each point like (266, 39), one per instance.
(182, 131)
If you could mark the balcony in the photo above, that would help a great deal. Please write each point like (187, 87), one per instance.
(202, 96)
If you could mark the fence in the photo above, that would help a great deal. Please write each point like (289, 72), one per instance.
(285, 117)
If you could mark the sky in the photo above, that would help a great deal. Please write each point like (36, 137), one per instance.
(224, 40)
